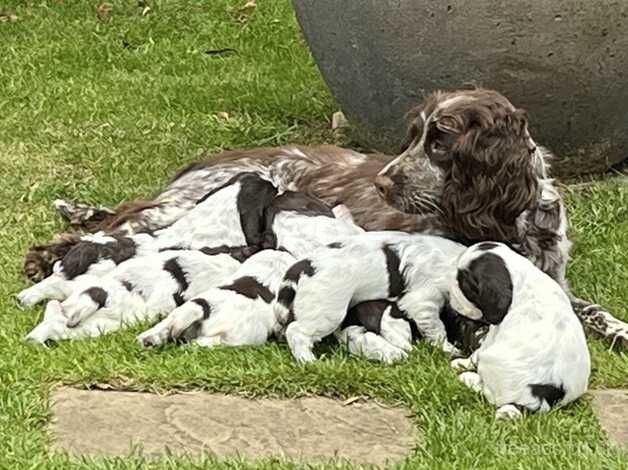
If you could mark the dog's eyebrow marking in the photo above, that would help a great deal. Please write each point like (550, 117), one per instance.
(396, 284)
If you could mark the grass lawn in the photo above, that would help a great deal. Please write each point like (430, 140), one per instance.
(104, 106)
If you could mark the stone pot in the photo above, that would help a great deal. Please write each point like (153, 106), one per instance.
(564, 61)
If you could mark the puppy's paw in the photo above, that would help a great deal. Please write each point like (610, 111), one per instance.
(393, 355)
(462, 364)
(28, 298)
(153, 337)
(471, 380)
(508, 412)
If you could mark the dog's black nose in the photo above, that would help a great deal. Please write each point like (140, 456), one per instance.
(383, 184)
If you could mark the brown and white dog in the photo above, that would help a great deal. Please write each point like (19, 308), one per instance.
(469, 170)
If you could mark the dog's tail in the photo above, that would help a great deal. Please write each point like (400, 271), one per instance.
(284, 301)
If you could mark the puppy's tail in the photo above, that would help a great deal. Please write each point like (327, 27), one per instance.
(283, 305)
(547, 395)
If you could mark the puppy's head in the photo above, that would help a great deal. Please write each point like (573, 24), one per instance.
(483, 288)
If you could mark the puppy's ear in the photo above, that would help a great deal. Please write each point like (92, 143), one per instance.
(488, 285)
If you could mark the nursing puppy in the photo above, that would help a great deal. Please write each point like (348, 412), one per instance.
(413, 270)
(229, 219)
(300, 223)
(238, 312)
(535, 354)
(143, 288)
(378, 330)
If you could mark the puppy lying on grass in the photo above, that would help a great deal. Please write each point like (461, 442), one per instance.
(535, 355)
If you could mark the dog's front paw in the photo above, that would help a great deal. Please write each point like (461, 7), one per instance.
(508, 412)
(471, 380)
(153, 337)
(28, 298)
(462, 364)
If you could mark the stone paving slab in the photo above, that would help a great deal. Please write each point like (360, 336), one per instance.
(611, 408)
(314, 428)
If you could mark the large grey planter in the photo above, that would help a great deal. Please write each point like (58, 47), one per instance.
(565, 61)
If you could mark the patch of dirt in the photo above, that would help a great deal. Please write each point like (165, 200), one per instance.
(611, 408)
(313, 428)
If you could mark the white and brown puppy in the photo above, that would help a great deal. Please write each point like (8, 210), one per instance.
(238, 312)
(142, 288)
(413, 270)
(535, 355)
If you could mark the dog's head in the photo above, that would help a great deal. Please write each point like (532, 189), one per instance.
(483, 288)
(468, 156)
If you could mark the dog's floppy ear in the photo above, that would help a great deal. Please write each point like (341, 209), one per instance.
(486, 282)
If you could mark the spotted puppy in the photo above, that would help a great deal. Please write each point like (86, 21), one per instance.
(300, 223)
(239, 312)
(229, 219)
(144, 288)
(413, 270)
(535, 355)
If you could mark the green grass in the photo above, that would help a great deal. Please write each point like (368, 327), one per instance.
(104, 110)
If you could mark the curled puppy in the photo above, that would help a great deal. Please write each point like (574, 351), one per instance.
(413, 270)
(144, 288)
(535, 355)
(238, 312)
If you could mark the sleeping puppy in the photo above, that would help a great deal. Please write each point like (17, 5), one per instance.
(535, 355)
(143, 288)
(413, 270)
(229, 219)
(238, 312)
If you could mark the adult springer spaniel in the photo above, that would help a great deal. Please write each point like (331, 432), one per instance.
(469, 169)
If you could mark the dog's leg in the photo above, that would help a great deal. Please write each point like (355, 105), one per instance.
(54, 287)
(81, 215)
(471, 380)
(300, 343)
(175, 324)
(367, 344)
(51, 327)
(40, 259)
(424, 306)
(396, 331)
(598, 321)
(508, 412)
(83, 304)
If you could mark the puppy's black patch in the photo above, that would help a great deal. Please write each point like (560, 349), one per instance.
(462, 332)
(255, 196)
(205, 306)
(98, 295)
(239, 253)
(485, 246)
(285, 296)
(396, 285)
(298, 269)
(174, 268)
(548, 392)
(250, 287)
(85, 253)
(487, 284)
(335, 245)
(367, 314)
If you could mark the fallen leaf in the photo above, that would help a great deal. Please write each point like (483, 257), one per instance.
(7, 17)
(339, 121)
(103, 11)
(145, 11)
(223, 51)
(222, 115)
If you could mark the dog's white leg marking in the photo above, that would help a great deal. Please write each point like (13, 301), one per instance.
(396, 331)
(54, 287)
(369, 345)
(207, 341)
(300, 344)
(463, 364)
(508, 412)
(471, 380)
